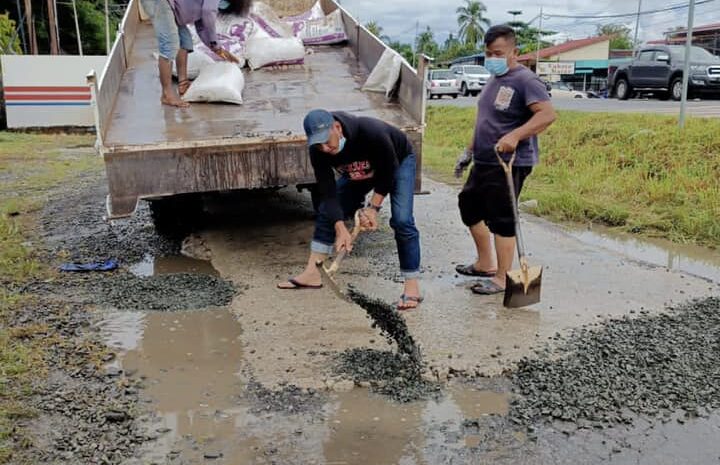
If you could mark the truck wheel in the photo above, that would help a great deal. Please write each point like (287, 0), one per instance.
(175, 217)
(464, 90)
(676, 88)
(455, 95)
(622, 89)
(474, 94)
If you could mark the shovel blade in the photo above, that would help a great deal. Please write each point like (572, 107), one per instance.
(329, 280)
(520, 292)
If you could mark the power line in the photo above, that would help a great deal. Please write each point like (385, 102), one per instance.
(625, 15)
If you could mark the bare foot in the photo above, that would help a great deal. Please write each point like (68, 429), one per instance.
(174, 101)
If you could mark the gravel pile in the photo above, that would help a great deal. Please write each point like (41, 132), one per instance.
(388, 373)
(171, 292)
(650, 365)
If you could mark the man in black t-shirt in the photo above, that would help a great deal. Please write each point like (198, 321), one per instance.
(369, 155)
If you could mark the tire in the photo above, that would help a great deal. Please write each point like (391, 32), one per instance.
(175, 217)
(464, 90)
(676, 88)
(454, 95)
(474, 94)
(622, 89)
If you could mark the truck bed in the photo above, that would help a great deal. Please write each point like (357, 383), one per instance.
(275, 100)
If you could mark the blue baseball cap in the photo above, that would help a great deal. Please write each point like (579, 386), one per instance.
(317, 125)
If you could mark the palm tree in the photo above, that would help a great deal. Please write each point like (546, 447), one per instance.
(375, 29)
(472, 22)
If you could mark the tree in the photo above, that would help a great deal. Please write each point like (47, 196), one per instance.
(405, 50)
(9, 40)
(527, 37)
(425, 43)
(619, 34)
(472, 23)
(375, 29)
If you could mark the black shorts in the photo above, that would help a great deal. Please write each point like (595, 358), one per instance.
(486, 197)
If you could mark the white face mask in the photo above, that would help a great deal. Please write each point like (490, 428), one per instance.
(341, 144)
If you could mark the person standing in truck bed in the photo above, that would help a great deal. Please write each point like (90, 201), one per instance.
(170, 19)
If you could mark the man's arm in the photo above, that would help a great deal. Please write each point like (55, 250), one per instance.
(543, 116)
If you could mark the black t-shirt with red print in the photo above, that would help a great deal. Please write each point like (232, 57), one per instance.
(373, 150)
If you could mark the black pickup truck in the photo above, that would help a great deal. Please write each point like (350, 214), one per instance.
(659, 69)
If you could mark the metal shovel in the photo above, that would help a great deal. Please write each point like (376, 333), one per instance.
(522, 287)
(328, 273)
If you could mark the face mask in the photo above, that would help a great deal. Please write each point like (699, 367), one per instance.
(223, 5)
(496, 66)
(341, 144)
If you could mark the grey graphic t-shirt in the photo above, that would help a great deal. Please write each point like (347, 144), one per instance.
(503, 106)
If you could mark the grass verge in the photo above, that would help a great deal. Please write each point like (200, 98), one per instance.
(635, 172)
(30, 164)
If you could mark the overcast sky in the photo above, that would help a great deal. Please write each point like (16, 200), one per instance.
(398, 17)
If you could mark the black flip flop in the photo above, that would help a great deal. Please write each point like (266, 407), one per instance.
(469, 270)
(487, 288)
(299, 285)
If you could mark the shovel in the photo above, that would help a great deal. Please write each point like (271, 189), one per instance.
(522, 287)
(328, 273)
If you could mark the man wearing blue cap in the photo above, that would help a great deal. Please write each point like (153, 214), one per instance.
(369, 155)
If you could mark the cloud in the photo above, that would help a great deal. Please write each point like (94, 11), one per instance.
(399, 17)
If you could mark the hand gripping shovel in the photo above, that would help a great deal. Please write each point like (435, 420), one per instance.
(328, 273)
(522, 287)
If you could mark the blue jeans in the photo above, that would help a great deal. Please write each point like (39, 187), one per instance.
(170, 36)
(351, 195)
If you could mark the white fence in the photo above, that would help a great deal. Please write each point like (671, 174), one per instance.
(49, 90)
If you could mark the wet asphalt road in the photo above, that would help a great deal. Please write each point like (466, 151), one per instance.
(709, 108)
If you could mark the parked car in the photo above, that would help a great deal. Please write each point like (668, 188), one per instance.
(471, 78)
(560, 89)
(442, 82)
(659, 69)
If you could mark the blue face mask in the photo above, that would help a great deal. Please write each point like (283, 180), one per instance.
(223, 5)
(341, 144)
(497, 66)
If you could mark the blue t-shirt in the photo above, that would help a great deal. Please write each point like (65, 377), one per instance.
(504, 105)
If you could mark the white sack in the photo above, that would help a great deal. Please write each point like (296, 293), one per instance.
(321, 31)
(271, 51)
(385, 74)
(217, 82)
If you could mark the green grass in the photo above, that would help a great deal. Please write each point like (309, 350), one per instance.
(637, 173)
(30, 164)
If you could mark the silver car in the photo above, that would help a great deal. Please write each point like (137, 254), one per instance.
(442, 82)
(471, 78)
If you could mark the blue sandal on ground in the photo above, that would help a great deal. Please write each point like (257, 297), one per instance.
(487, 288)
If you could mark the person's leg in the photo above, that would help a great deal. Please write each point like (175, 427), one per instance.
(407, 236)
(503, 228)
(472, 205)
(181, 60)
(483, 244)
(350, 195)
(168, 37)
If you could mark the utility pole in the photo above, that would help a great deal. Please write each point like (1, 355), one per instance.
(415, 43)
(107, 29)
(537, 51)
(52, 30)
(686, 66)
(77, 28)
(31, 27)
(637, 26)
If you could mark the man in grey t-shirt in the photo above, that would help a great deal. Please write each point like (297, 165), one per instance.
(514, 107)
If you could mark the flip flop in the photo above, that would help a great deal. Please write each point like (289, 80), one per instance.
(469, 270)
(298, 285)
(487, 288)
(404, 299)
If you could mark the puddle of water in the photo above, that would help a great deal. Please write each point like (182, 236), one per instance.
(191, 362)
(691, 259)
(154, 266)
